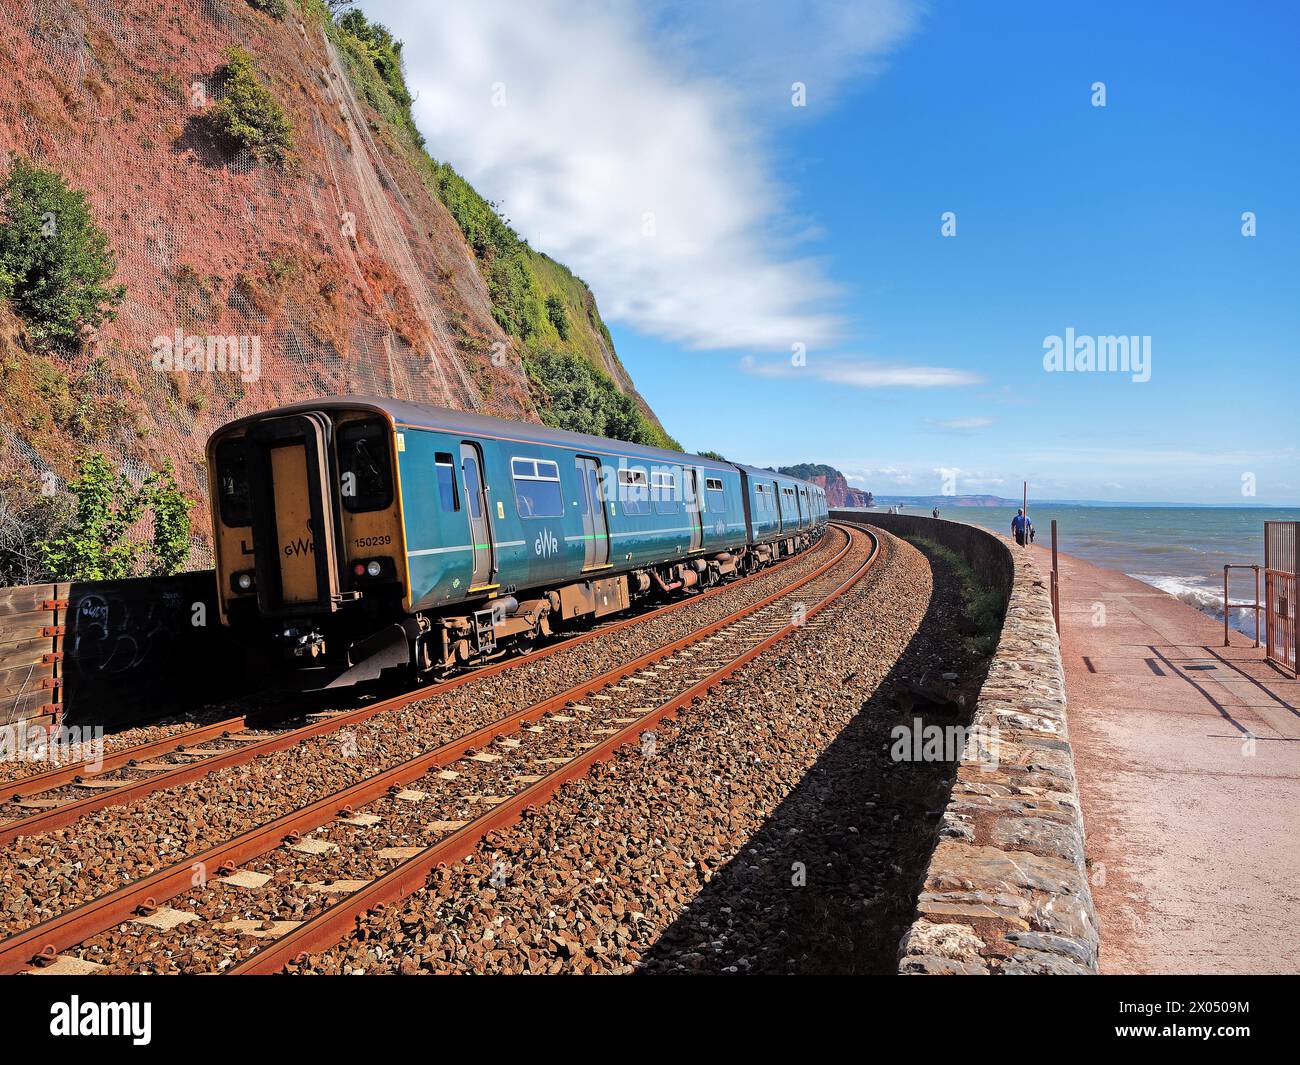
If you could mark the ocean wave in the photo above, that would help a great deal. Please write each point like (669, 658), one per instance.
(1187, 589)
(1203, 597)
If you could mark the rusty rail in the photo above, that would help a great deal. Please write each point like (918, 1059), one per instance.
(36, 783)
(328, 927)
(58, 816)
(44, 941)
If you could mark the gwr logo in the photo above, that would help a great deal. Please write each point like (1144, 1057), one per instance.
(299, 547)
(546, 545)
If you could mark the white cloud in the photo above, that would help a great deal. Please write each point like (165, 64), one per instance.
(766, 47)
(858, 373)
(618, 155)
(894, 474)
(960, 425)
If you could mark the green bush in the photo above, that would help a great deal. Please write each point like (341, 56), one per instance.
(516, 303)
(248, 115)
(277, 9)
(484, 228)
(376, 56)
(558, 315)
(54, 260)
(94, 544)
(572, 394)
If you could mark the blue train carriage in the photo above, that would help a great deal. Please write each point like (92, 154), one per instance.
(536, 526)
(361, 534)
(784, 513)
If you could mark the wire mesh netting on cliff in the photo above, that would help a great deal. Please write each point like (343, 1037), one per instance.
(337, 272)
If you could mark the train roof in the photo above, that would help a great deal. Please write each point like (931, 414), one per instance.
(430, 416)
(763, 474)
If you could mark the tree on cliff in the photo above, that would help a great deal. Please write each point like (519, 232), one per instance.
(248, 115)
(54, 261)
(96, 545)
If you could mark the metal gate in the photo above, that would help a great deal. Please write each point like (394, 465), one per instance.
(1281, 564)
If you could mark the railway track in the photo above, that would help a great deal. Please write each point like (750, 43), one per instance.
(607, 715)
(701, 665)
(63, 795)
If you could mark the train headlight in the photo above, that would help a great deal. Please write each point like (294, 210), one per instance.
(242, 582)
(373, 568)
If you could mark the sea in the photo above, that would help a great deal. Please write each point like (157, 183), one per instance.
(1180, 550)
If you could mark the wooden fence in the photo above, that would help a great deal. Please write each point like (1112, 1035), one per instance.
(111, 652)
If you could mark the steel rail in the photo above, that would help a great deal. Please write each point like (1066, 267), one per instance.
(67, 813)
(89, 769)
(332, 924)
(43, 941)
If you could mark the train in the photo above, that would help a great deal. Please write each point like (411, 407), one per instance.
(357, 535)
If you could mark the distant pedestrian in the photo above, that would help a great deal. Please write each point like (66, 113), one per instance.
(1021, 528)
(936, 512)
(1031, 532)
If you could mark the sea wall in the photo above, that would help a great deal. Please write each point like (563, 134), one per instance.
(1006, 889)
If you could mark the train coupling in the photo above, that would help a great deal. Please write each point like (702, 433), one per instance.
(303, 643)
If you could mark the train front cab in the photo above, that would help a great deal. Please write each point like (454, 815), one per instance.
(309, 544)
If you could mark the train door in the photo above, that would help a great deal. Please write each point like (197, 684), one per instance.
(595, 520)
(293, 514)
(695, 509)
(294, 523)
(480, 519)
(780, 510)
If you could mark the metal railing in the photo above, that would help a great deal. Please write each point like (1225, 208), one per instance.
(1056, 584)
(1229, 606)
(1281, 585)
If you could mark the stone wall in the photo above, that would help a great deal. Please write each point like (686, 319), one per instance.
(1006, 890)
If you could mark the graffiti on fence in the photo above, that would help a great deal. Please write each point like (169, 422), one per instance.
(111, 633)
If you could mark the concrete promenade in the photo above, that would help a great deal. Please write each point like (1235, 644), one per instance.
(1188, 763)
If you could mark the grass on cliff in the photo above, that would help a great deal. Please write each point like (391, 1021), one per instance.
(982, 605)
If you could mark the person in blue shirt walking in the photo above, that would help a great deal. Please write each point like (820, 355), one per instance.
(1021, 528)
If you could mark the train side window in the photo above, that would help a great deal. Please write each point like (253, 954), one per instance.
(445, 470)
(634, 490)
(715, 497)
(365, 469)
(663, 490)
(538, 493)
(236, 501)
(473, 487)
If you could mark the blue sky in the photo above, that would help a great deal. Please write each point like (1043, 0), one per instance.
(655, 150)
